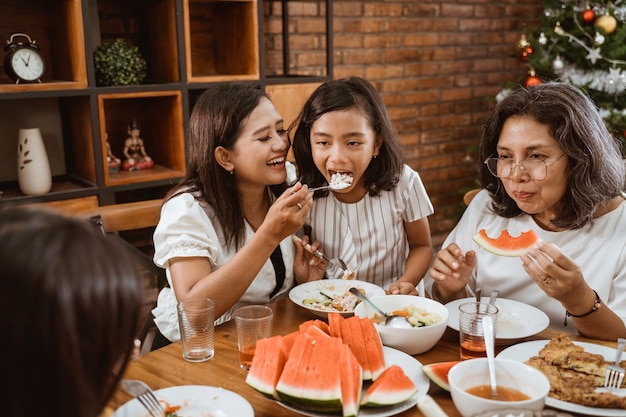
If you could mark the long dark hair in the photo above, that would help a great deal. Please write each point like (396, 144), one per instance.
(384, 171)
(217, 120)
(595, 165)
(70, 307)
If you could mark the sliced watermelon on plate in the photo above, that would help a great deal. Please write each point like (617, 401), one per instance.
(309, 380)
(312, 371)
(351, 376)
(438, 373)
(391, 387)
(505, 244)
(267, 365)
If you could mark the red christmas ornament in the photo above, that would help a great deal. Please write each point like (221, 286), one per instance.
(525, 53)
(532, 79)
(589, 16)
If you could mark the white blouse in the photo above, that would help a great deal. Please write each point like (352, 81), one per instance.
(188, 228)
(599, 249)
(369, 235)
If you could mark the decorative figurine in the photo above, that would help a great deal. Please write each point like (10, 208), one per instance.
(112, 161)
(134, 151)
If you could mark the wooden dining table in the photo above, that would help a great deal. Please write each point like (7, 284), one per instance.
(165, 367)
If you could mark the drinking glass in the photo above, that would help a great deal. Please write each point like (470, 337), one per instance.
(471, 335)
(253, 322)
(196, 319)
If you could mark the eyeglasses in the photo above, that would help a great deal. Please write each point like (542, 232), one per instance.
(535, 169)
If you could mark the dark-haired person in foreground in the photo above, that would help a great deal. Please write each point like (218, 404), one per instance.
(70, 309)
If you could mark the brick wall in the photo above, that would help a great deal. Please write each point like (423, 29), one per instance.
(437, 63)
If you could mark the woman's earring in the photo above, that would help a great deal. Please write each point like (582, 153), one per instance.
(232, 172)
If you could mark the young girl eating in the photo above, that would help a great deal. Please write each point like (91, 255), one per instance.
(374, 217)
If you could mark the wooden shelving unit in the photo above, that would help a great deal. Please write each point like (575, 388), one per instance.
(57, 27)
(163, 110)
(221, 40)
(188, 44)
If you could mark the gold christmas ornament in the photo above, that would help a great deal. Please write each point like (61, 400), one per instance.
(607, 23)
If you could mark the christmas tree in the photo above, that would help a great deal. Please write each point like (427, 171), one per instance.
(581, 42)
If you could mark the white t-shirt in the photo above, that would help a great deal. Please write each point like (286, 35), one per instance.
(369, 235)
(599, 249)
(188, 228)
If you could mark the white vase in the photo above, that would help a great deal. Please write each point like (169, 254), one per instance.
(33, 168)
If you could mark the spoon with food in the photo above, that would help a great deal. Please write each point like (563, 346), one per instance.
(392, 320)
(338, 181)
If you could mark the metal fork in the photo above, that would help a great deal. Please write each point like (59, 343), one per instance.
(615, 373)
(334, 263)
(145, 395)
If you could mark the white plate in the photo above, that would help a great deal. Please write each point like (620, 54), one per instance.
(516, 320)
(330, 287)
(524, 351)
(195, 401)
(518, 412)
(411, 367)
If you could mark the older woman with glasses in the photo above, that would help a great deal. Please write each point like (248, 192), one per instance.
(551, 166)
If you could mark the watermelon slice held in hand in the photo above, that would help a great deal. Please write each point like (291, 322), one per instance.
(505, 244)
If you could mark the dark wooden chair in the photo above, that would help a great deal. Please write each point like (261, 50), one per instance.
(126, 216)
(118, 218)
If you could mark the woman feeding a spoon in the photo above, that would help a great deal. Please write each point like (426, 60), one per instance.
(225, 229)
(551, 166)
(377, 223)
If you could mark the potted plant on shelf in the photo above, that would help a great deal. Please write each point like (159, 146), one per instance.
(119, 63)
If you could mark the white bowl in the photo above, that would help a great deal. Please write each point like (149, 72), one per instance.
(522, 412)
(411, 341)
(511, 374)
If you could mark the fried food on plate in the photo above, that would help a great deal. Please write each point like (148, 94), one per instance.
(575, 374)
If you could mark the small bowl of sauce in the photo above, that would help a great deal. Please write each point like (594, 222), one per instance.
(520, 387)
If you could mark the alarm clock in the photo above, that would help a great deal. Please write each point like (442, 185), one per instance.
(23, 62)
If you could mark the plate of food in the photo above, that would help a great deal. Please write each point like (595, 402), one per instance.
(516, 320)
(585, 398)
(331, 295)
(194, 401)
(411, 367)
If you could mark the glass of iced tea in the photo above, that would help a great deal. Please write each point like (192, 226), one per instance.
(253, 322)
(471, 335)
